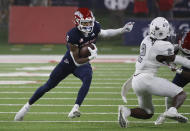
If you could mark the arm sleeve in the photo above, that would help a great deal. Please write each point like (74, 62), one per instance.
(110, 32)
(182, 61)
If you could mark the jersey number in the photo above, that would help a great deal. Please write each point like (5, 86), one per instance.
(142, 53)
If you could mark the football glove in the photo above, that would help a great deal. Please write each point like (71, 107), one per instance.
(128, 27)
(93, 52)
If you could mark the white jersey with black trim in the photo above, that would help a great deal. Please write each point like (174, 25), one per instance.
(149, 49)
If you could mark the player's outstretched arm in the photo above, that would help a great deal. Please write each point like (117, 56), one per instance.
(113, 32)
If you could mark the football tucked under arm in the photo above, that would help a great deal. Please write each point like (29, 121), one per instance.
(74, 52)
(88, 51)
(84, 52)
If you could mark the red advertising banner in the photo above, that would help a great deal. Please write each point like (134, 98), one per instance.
(40, 25)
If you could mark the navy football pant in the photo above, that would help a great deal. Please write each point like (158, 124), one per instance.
(180, 80)
(61, 71)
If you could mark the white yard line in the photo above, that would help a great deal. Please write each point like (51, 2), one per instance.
(91, 99)
(140, 122)
(64, 92)
(49, 68)
(57, 58)
(68, 87)
(63, 105)
(17, 82)
(60, 92)
(28, 74)
(90, 113)
(4, 82)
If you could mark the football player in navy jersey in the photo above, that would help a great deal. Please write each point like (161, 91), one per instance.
(86, 31)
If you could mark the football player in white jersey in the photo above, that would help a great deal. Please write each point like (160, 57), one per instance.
(182, 77)
(155, 51)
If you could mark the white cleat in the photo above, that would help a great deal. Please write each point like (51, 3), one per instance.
(171, 113)
(74, 112)
(22, 112)
(160, 120)
(123, 113)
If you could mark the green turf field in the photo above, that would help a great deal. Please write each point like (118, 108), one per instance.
(99, 110)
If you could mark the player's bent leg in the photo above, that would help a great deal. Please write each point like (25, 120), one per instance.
(140, 113)
(172, 113)
(124, 112)
(22, 112)
(179, 99)
(84, 73)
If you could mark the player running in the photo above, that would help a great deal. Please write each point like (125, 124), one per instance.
(86, 31)
(155, 51)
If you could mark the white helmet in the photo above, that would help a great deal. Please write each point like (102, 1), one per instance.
(159, 28)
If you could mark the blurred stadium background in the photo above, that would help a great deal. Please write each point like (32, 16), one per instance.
(38, 27)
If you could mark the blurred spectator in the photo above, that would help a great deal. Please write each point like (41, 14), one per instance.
(40, 2)
(165, 8)
(65, 2)
(4, 10)
(21, 2)
(140, 8)
(117, 11)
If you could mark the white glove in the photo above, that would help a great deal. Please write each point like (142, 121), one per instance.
(179, 71)
(128, 27)
(92, 52)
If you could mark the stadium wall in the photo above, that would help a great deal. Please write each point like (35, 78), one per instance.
(39, 25)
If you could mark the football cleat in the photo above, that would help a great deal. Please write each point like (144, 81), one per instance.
(22, 112)
(171, 113)
(123, 113)
(160, 119)
(74, 112)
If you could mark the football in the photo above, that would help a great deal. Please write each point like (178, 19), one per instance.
(84, 52)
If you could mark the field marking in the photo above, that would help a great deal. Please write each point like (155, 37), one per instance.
(85, 113)
(28, 74)
(66, 92)
(63, 105)
(92, 99)
(49, 68)
(63, 87)
(17, 82)
(4, 82)
(98, 74)
(57, 58)
(61, 92)
(139, 122)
